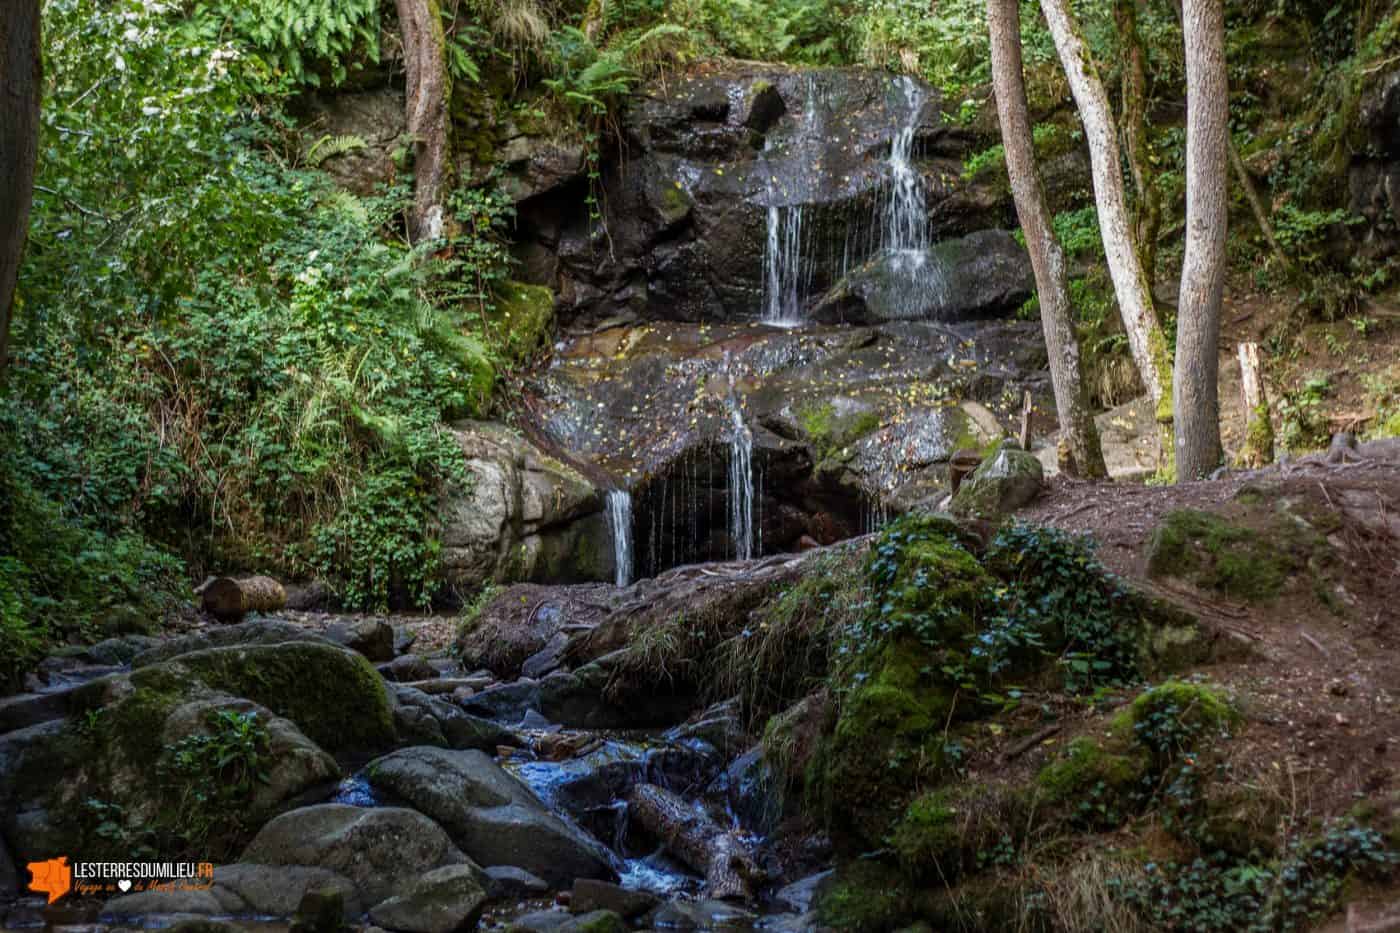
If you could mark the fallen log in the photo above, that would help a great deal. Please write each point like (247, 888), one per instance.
(698, 841)
(229, 600)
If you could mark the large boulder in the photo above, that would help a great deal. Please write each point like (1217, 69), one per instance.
(421, 719)
(493, 817)
(254, 632)
(523, 516)
(1006, 480)
(383, 850)
(984, 274)
(242, 888)
(444, 900)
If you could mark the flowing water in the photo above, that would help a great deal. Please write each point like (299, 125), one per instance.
(741, 491)
(916, 277)
(620, 524)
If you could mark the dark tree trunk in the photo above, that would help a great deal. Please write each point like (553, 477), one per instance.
(1047, 258)
(696, 840)
(20, 84)
(425, 64)
(229, 600)
(1196, 376)
(1134, 124)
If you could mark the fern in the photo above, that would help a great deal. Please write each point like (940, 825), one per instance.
(328, 147)
(303, 40)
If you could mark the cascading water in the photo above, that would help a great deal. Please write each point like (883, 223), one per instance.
(620, 524)
(785, 274)
(741, 493)
(916, 278)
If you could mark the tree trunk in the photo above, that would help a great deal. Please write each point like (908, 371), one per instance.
(1258, 449)
(1130, 285)
(1047, 258)
(20, 88)
(696, 840)
(1134, 124)
(1197, 403)
(1261, 216)
(425, 64)
(229, 600)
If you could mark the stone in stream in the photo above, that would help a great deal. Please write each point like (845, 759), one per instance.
(443, 900)
(493, 817)
(589, 895)
(423, 719)
(373, 638)
(381, 850)
(265, 890)
(407, 668)
(509, 882)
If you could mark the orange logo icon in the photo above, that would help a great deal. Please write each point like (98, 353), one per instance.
(53, 877)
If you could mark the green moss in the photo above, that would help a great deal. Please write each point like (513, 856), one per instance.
(930, 574)
(829, 430)
(865, 897)
(599, 921)
(1175, 718)
(334, 696)
(1086, 764)
(927, 837)
(1217, 554)
(522, 319)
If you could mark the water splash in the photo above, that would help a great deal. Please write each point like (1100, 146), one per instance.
(620, 524)
(786, 268)
(741, 492)
(916, 278)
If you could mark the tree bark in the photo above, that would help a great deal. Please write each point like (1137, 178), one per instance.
(1134, 124)
(1258, 449)
(1130, 285)
(696, 840)
(229, 600)
(1047, 258)
(20, 89)
(1196, 378)
(429, 87)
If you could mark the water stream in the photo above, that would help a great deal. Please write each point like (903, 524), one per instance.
(741, 491)
(620, 524)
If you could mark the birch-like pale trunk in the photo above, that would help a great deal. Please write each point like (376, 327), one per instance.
(1130, 285)
(428, 88)
(1077, 427)
(1197, 399)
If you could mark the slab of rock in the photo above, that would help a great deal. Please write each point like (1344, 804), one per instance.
(591, 894)
(798, 896)
(443, 900)
(256, 632)
(1007, 480)
(493, 817)
(381, 850)
(408, 668)
(421, 719)
(265, 890)
(373, 638)
(508, 882)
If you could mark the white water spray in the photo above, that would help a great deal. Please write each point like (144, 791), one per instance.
(620, 524)
(741, 493)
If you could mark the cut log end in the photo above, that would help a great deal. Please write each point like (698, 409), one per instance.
(229, 600)
(720, 854)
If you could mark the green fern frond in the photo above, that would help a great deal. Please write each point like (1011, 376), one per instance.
(328, 147)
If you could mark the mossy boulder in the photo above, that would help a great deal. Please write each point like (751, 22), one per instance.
(831, 425)
(1175, 718)
(867, 896)
(1006, 480)
(522, 318)
(1248, 560)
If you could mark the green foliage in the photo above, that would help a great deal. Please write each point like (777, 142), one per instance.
(1303, 418)
(1218, 892)
(307, 42)
(213, 775)
(1078, 232)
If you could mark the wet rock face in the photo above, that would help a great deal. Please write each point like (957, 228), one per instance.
(1374, 175)
(708, 164)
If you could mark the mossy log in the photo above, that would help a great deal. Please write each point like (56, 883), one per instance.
(695, 839)
(229, 600)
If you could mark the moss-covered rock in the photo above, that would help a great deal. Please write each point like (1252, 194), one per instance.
(522, 319)
(1232, 557)
(866, 897)
(1006, 480)
(927, 837)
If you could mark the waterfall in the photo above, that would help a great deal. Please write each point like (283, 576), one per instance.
(741, 487)
(785, 272)
(916, 279)
(620, 523)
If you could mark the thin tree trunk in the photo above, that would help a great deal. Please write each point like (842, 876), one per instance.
(1261, 216)
(1134, 123)
(1047, 258)
(1130, 285)
(20, 88)
(1197, 402)
(425, 63)
(1258, 448)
